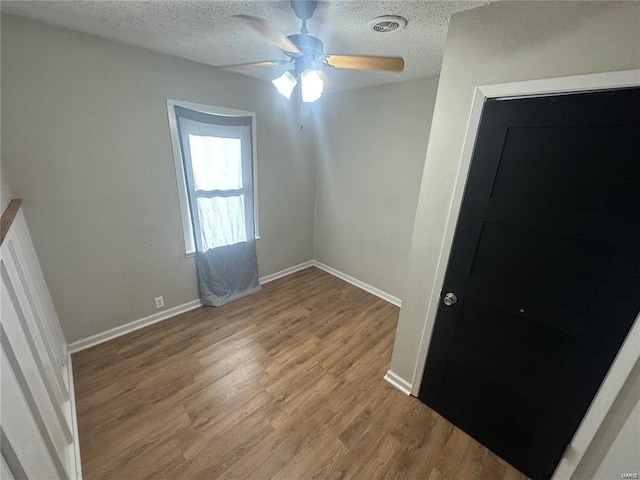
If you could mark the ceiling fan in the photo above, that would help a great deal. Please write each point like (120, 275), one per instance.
(306, 55)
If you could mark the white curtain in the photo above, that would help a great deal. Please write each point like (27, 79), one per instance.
(217, 165)
(217, 154)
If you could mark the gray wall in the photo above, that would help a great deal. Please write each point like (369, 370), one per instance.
(501, 42)
(6, 192)
(85, 143)
(372, 144)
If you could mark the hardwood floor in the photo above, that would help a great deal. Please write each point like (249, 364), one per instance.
(286, 383)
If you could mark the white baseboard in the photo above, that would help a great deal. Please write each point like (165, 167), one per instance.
(358, 283)
(398, 382)
(98, 338)
(74, 461)
(285, 272)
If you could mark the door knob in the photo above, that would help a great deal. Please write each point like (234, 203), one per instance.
(449, 299)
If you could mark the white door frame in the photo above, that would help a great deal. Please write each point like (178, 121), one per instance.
(630, 351)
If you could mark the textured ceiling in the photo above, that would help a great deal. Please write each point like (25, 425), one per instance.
(207, 32)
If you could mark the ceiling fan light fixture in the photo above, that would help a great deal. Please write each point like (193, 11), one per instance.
(312, 86)
(305, 53)
(285, 84)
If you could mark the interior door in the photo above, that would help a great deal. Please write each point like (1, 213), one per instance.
(544, 272)
(36, 416)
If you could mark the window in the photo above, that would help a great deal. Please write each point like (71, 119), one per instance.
(215, 163)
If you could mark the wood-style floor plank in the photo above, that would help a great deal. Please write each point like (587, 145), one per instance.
(283, 384)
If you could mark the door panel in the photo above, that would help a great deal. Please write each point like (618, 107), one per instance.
(553, 269)
(511, 341)
(35, 408)
(545, 263)
(532, 157)
(32, 455)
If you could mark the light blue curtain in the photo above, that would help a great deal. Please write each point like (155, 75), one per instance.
(217, 155)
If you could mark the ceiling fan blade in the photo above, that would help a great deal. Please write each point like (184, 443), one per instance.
(270, 32)
(266, 63)
(362, 62)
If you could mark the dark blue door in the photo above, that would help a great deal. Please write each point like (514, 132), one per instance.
(545, 267)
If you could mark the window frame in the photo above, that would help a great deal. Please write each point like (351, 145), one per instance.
(181, 174)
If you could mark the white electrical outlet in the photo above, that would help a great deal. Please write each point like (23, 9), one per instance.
(159, 302)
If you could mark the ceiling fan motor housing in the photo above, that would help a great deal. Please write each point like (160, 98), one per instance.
(311, 47)
(304, 8)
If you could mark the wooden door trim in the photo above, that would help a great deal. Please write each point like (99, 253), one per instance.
(629, 353)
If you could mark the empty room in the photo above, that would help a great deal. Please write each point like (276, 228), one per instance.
(320, 240)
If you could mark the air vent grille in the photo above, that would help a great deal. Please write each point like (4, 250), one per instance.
(387, 24)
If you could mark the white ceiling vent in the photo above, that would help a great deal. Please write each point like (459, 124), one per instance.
(387, 23)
